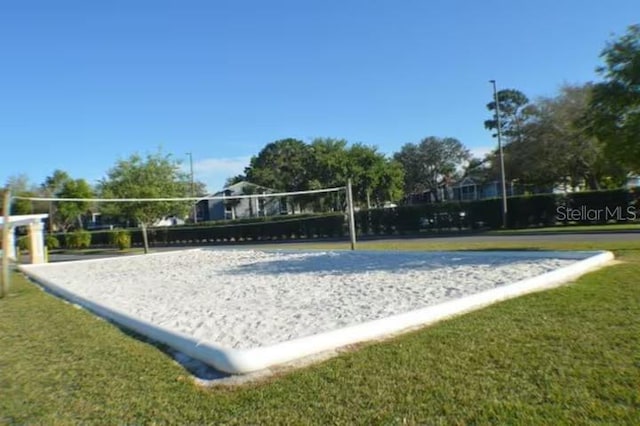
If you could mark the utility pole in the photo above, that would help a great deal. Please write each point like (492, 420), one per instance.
(193, 190)
(502, 178)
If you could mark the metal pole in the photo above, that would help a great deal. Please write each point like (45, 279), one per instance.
(502, 178)
(352, 219)
(6, 228)
(195, 205)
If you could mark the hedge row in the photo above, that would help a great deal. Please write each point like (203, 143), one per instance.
(585, 208)
(524, 211)
(324, 226)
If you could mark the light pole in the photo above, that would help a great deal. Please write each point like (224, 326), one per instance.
(195, 205)
(502, 179)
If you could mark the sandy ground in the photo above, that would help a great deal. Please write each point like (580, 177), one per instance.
(249, 298)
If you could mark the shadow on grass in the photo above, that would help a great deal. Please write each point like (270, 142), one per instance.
(198, 369)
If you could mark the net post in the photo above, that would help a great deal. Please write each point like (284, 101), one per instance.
(352, 220)
(145, 238)
(6, 206)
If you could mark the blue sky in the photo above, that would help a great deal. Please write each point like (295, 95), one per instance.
(84, 83)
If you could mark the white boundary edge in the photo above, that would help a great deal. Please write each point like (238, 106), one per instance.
(243, 361)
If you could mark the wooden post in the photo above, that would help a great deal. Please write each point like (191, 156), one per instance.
(352, 220)
(6, 228)
(145, 239)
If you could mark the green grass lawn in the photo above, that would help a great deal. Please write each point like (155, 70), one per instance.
(615, 227)
(569, 355)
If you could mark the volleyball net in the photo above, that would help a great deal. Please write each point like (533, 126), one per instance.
(245, 214)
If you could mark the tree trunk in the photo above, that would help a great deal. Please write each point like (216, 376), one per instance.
(145, 240)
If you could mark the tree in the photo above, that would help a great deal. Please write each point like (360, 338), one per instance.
(234, 179)
(390, 183)
(292, 165)
(553, 146)
(53, 184)
(515, 111)
(329, 163)
(577, 152)
(51, 187)
(372, 175)
(430, 162)
(478, 169)
(21, 186)
(155, 176)
(614, 116)
(282, 165)
(69, 212)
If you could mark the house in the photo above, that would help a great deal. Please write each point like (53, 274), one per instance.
(468, 189)
(241, 208)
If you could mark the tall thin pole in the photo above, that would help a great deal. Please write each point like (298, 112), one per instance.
(352, 219)
(502, 178)
(193, 190)
(6, 228)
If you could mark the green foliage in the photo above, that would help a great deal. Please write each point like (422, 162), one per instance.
(430, 163)
(53, 184)
(69, 213)
(120, 238)
(281, 165)
(20, 186)
(523, 212)
(155, 176)
(23, 243)
(614, 116)
(265, 229)
(292, 165)
(515, 112)
(51, 242)
(552, 146)
(375, 178)
(234, 179)
(80, 239)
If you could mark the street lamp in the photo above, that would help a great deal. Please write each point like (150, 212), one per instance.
(502, 179)
(195, 205)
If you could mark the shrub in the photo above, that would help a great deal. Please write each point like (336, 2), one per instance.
(120, 238)
(78, 239)
(23, 243)
(51, 242)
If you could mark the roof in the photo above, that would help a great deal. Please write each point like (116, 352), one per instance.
(24, 219)
(238, 187)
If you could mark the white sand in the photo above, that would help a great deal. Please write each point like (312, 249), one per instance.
(248, 298)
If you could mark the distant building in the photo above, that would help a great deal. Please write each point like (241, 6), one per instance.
(468, 189)
(241, 208)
